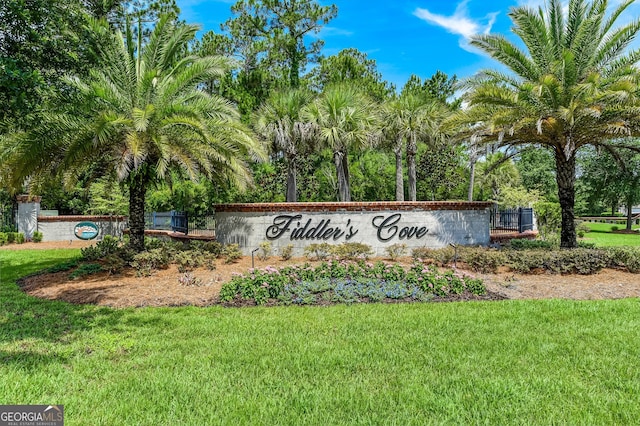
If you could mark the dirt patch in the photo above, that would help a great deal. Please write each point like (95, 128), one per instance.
(163, 288)
(47, 245)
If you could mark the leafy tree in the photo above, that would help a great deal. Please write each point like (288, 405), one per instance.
(279, 121)
(441, 173)
(140, 117)
(574, 85)
(536, 167)
(439, 86)
(613, 178)
(353, 67)
(277, 32)
(495, 173)
(40, 40)
(344, 120)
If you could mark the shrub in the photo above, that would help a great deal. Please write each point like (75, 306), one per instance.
(86, 269)
(317, 251)
(231, 253)
(522, 244)
(4, 239)
(625, 257)
(441, 256)
(147, 262)
(11, 237)
(352, 251)
(482, 259)
(212, 247)
(188, 260)
(615, 228)
(187, 279)
(581, 261)
(113, 264)
(103, 248)
(20, 238)
(346, 282)
(37, 237)
(65, 266)
(265, 250)
(395, 251)
(286, 252)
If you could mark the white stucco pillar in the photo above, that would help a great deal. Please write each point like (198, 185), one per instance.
(28, 211)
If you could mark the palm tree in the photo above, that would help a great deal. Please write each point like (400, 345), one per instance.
(344, 120)
(573, 85)
(410, 118)
(280, 122)
(139, 118)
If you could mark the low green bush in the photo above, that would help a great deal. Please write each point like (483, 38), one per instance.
(103, 248)
(442, 256)
(286, 252)
(347, 282)
(37, 237)
(11, 237)
(523, 244)
(265, 251)
(188, 260)
(561, 261)
(86, 269)
(231, 253)
(317, 251)
(625, 257)
(20, 238)
(482, 259)
(4, 239)
(113, 264)
(212, 247)
(147, 262)
(351, 251)
(395, 251)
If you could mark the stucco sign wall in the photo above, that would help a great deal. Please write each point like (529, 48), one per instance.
(381, 224)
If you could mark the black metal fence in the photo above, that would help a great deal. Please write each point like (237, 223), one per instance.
(8, 214)
(511, 220)
(177, 221)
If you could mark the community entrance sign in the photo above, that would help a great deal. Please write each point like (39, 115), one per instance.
(379, 224)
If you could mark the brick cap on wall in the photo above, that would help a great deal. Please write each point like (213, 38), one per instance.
(354, 206)
(26, 198)
(81, 218)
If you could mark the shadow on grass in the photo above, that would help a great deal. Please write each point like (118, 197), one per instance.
(25, 317)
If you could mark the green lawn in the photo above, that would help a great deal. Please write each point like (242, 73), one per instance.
(601, 235)
(512, 362)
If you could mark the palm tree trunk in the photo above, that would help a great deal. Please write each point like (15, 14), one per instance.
(629, 212)
(472, 178)
(399, 175)
(344, 193)
(412, 150)
(137, 192)
(566, 177)
(292, 186)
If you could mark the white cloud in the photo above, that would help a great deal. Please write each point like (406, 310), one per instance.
(460, 22)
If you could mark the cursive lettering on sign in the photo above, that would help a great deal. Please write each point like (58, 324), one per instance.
(388, 228)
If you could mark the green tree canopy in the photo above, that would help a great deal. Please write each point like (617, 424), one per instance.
(353, 67)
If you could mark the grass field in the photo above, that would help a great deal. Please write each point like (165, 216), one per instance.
(511, 362)
(601, 235)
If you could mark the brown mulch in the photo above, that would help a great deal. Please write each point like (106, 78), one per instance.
(163, 289)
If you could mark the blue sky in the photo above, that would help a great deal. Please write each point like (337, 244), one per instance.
(404, 37)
